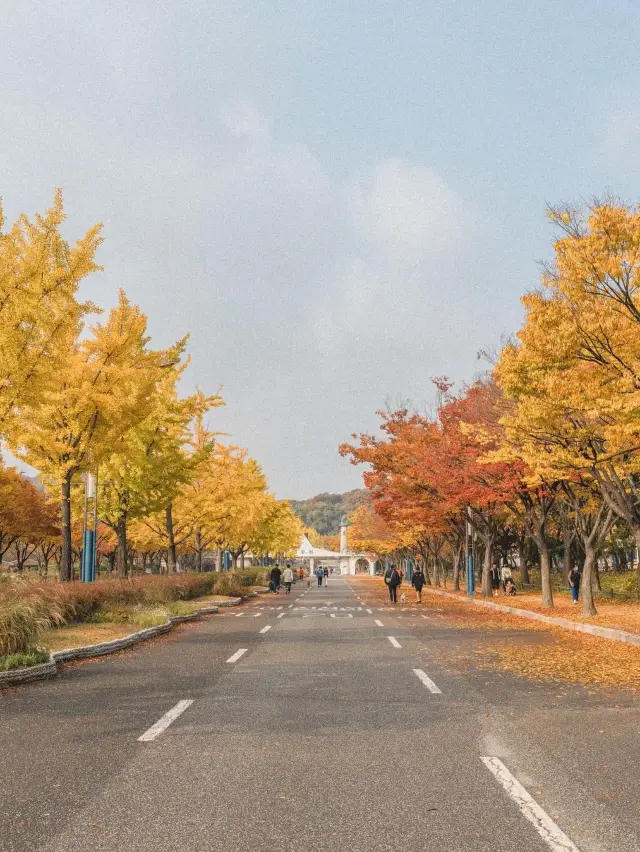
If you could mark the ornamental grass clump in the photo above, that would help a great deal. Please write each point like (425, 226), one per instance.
(22, 622)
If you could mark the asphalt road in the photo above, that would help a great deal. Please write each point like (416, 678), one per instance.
(323, 735)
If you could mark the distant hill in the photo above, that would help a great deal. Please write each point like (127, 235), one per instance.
(323, 512)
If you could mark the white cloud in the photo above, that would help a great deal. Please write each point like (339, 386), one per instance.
(407, 210)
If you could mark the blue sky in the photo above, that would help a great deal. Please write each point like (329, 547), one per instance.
(337, 200)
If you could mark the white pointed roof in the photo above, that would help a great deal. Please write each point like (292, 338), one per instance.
(307, 550)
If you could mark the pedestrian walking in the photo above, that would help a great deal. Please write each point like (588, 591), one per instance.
(505, 574)
(320, 575)
(417, 581)
(393, 579)
(287, 578)
(574, 583)
(301, 573)
(274, 577)
(495, 580)
(325, 574)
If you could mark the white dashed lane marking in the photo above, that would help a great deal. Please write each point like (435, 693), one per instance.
(265, 629)
(282, 615)
(235, 657)
(163, 723)
(431, 686)
(379, 623)
(394, 642)
(552, 835)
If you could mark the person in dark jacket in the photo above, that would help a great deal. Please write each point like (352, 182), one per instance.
(275, 576)
(495, 580)
(393, 579)
(320, 575)
(574, 582)
(417, 581)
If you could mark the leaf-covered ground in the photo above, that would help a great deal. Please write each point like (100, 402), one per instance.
(78, 635)
(532, 649)
(622, 616)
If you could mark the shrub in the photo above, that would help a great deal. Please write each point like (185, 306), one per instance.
(252, 576)
(20, 660)
(228, 584)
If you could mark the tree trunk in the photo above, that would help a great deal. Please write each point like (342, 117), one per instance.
(218, 559)
(636, 535)
(566, 556)
(111, 560)
(588, 605)
(486, 567)
(545, 572)
(595, 578)
(522, 558)
(198, 550)
(425, 563)
(242, 561)
(457, 553)
(171, 549)
(66, 558)
(234, 561)
(121, 547)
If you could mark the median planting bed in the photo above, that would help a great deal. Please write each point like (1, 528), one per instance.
(41, 617)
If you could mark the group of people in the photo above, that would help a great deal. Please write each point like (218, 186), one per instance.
(502, 577)
(393, 577)
(277, 577)
(322, 575)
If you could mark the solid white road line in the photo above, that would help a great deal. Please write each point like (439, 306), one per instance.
(427, 681)
(282, 615)
(553, 836)
(394, 642)
(235, 657)
(163, 723)
(265, 629)
(379, 623)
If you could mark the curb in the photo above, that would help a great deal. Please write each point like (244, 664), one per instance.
(610, 633)
(30, 674)
(101, 649)
(231, 602)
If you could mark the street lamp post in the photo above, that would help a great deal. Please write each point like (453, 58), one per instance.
(89, 538)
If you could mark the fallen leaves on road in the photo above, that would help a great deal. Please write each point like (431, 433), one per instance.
(569, 658)
(536, 650)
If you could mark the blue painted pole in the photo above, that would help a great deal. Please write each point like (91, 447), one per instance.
(91, 556)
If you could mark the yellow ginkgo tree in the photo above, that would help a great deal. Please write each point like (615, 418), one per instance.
(99, 393)
(573, 374)
(40, 314)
